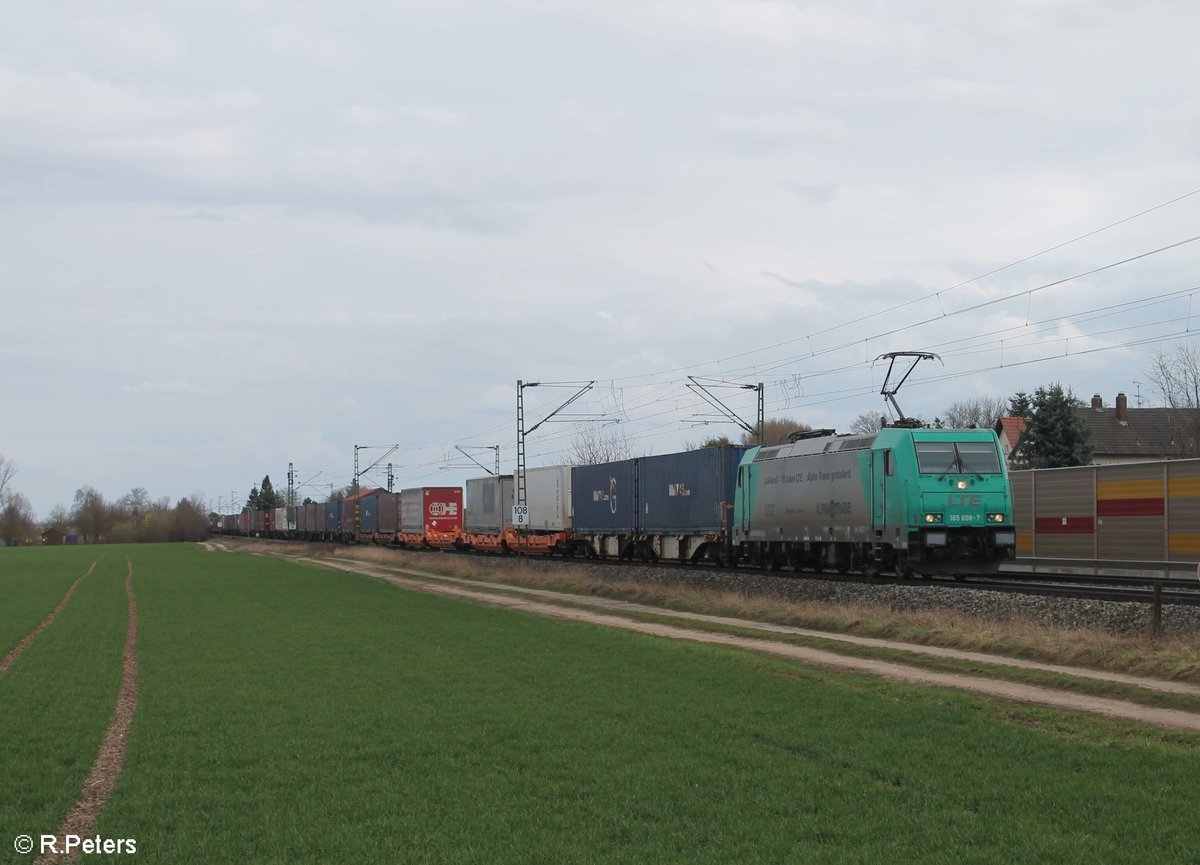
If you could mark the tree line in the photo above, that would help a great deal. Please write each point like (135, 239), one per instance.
(133, 518)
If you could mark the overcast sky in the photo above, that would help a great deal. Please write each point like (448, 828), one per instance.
(238, 235)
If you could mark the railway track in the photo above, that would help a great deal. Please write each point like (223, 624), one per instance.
(1102, 587)
(1146, 589)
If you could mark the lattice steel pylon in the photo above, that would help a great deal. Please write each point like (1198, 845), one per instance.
(291, 496)
(520, 496)
(520, 443)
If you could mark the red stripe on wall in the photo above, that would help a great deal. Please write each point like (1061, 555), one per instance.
(1130, 508)
(1065, 525)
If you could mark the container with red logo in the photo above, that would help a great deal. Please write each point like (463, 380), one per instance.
(434, 513)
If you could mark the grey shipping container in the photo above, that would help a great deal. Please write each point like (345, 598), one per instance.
(389, 513)
(690, 492)
(412, 511)
(489, 503)
(548, 495)
(604, 497)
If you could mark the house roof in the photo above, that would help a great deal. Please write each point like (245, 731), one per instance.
(1146, 432)
(362, 494)
(1010, 429)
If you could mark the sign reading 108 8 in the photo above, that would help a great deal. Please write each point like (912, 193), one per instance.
(520, 515)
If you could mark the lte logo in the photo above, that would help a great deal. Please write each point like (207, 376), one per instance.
(443, 509)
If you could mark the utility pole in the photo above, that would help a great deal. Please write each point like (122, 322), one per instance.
(291, 498)
(390, 449)
(522, 432)
(391, 477)
(520, 478)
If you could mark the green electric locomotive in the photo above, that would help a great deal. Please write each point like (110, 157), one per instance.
(906, 500)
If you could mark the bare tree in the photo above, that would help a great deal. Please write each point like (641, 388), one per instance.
(57, 519)
(775, 431)
(17, 521)
(7, 470)
(189, 522)
(1176, 375)
(136, 504)
(91, 513)
(710, 442)
(867, 423)
(337, 495)
(976, 411)
(592, 445)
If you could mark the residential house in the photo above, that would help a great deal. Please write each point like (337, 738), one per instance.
(1125, 435)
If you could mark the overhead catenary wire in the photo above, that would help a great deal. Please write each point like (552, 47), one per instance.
(663, 403)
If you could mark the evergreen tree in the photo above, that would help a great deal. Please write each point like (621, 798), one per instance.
(1055, 435)
(264, 498)
(267, 497)
(1020, 405)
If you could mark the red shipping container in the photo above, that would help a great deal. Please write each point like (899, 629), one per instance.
(431, 510)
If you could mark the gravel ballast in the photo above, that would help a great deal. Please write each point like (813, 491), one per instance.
(1123, 618)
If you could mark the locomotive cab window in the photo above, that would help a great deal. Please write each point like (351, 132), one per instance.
(943, 458)
(979, 457)
(936, 458)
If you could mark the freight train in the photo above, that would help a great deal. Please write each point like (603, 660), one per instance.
(902, 500)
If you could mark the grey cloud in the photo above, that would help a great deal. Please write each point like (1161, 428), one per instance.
(814, 193)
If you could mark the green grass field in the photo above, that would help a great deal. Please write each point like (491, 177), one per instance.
(290, 714)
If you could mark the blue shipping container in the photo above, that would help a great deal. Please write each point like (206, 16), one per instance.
(604, 498)
(688, 493)
(333, 516)
(368, 514)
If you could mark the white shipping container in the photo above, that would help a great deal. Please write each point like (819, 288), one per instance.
(489, 504)
(548, 494)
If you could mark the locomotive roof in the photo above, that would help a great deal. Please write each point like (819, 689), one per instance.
(820, 445)
(853, 442)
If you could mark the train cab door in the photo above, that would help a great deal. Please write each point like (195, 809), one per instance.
(743, 519)
(883, 470)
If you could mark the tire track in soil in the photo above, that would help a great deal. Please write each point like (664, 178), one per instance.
(81, 819)
(47, 622)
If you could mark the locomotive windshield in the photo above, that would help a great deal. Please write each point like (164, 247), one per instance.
(943, 458)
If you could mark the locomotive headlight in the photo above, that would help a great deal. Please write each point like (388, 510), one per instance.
(933, 518)
(962, 485)
(995, 518)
